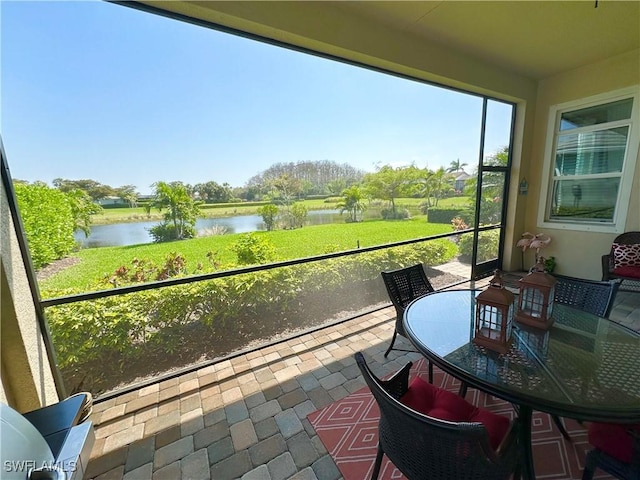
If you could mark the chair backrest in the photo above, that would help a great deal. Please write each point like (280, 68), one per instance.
(591, 296)
(628, 238)
(405, 285)
(426, 447)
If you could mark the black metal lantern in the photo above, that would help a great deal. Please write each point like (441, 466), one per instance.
(494, 316)
(535, 302)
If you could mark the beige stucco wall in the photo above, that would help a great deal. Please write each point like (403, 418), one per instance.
(578, 253)
(27, 381)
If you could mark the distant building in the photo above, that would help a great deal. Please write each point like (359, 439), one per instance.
(461, 178)
(111, 200)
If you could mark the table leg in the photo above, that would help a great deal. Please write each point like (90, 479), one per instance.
(524, 417)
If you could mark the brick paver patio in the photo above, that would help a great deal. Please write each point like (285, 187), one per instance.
(245, 418)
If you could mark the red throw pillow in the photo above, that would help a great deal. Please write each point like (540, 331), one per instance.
(438, 403)
(626, 255)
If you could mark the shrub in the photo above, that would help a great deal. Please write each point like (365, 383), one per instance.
(487, 245)
(397, 214)
(252, 249)
(444, 215)
(166, 232)
(48, 222)
(213, 231)
(299, 214)
(139, 328)
(269, 215)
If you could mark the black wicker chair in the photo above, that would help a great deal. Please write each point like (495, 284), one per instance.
(587, 295)
(609, 437)
(608, 264)
(423, 447)
(403, 286)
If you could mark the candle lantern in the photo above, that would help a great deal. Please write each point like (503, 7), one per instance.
(535, 302)
(494, 316)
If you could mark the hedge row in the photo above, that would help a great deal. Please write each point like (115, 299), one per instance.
(444, 215)
(103, 338)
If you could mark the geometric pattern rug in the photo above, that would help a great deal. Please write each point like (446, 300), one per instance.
(348, 429)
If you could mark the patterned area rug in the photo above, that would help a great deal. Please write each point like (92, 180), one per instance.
(349, 430)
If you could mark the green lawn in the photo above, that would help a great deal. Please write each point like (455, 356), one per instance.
(97, 263)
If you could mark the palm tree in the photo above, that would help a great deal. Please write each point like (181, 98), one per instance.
(352, 202)
(456, 166)
(441, 184)
(182, 210)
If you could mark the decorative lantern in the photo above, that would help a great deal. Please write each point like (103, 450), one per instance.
(494, 316)
(535, 303)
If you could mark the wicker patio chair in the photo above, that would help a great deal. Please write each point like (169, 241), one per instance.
(403, 286)
(587, 295)
(617, 451)
(626, 275)
(424, 447)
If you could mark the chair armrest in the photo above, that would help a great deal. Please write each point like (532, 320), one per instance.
(398, 384)
(606, 267)
(508, 452)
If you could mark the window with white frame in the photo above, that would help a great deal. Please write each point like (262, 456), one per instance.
(590, 163)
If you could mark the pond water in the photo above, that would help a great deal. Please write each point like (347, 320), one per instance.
(133, 233)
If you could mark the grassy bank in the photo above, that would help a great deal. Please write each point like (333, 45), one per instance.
(213, 210)
(96, 263)
(216, 210)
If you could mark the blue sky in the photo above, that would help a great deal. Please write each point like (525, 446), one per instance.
(101, 91)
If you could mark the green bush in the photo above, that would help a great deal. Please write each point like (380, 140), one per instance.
(444, 215)
(269, 215)
(130, 329)
(487, 245)
(397, 214)
(48, 222)
(166, 232)
(253, 249)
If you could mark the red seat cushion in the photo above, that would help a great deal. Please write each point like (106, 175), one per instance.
(435, 402)
(613, 439)
(633, 272)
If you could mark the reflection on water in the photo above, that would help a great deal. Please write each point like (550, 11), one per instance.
(121, 234)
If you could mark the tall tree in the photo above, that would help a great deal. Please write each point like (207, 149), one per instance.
(82, 207)
(456, 166)
(95, 190)
(128, 194)
(492, 188)
(213, 192)
(441, 182)
(389, 183)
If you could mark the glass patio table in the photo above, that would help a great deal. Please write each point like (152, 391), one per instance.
(584, 367)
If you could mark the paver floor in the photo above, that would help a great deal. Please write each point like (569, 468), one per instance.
(245, 418)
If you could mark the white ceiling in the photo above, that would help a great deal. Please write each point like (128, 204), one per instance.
(534, 39)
